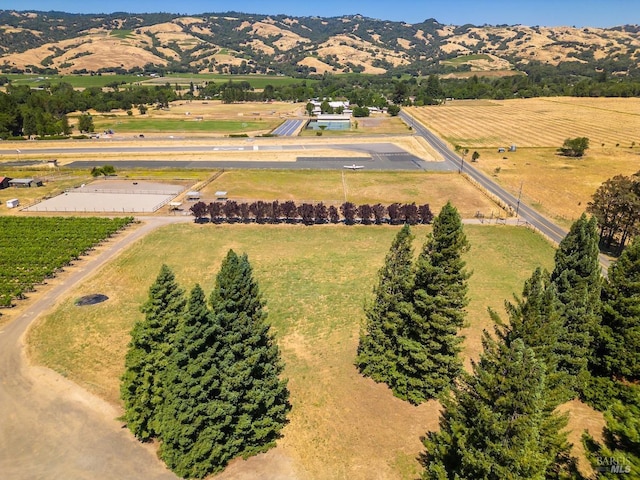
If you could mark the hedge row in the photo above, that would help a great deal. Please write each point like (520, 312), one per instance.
(310, 213)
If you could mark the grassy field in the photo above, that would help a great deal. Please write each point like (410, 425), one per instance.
(335, 187)
(186, 125)
(315, 282)
(258, 82)
(84, 81)
(558, 186)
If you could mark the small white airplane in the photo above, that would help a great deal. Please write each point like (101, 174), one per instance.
(354, 167)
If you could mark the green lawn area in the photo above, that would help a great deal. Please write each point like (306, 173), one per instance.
(141, 125)
(315, 281)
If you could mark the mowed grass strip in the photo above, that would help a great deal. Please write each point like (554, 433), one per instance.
(315, 281)
(124, 124)
(337, 186)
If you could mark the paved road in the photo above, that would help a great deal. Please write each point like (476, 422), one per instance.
(288, 128)
(525, 212)
(51, 428)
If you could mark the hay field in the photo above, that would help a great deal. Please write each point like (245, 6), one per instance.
(560, 187)
(315, 281)
(534, 122)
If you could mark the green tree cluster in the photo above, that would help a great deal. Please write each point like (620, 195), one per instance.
(577, 279)
(616, 206)
(411, 340)
(574, 147)
(204, 378)
(498, 422)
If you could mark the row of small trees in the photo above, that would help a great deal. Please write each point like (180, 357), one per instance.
(203, 377)
(309, 213)
(571, 334)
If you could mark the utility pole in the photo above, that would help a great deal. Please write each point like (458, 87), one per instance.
(519, 196)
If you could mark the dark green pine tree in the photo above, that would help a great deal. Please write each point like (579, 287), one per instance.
(620, 453)
(195, 423)
(377, 349)
(251, 365)
(535, 318)
(578, 280)
(429, 342)
(498, 423)
(619, 334)
(141, 386)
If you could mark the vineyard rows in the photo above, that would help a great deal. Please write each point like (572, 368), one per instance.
(33, 249)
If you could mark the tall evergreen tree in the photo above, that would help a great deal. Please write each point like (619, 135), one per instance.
(377, 349)
(619, 335)
(620, 453)
(429, 340)
(535, 318)
(577, 278)
(498, 423)
(195, 423)
(251, 365)
(142, 388)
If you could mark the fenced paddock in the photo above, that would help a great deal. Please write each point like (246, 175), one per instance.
(111, 196)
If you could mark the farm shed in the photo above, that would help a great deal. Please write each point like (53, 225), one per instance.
(25, 182)
(4, 182)
(193, 196)
(13, 203)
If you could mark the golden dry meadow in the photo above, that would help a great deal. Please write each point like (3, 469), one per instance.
(560, 187)
(316, 281)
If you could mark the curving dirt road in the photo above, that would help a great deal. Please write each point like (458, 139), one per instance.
(51, 428)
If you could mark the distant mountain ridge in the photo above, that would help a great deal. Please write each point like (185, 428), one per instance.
(233, 42)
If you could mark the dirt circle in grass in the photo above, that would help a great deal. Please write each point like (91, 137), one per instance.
(91, 299)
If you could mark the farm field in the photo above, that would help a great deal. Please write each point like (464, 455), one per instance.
(86, 81)
(315, 281)
(336, 187)
(558, 186)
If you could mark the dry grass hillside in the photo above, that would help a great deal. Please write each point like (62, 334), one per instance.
(30, 41)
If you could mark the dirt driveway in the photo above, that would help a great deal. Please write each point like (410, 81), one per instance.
(51, 428)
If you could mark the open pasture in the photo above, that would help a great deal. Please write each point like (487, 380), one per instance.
(315, 281)
(558, 186)
(336, 187)
(534, 122)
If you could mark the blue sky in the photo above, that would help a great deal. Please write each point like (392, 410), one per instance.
(579, 13)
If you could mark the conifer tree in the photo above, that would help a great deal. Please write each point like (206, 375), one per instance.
(377, 349)
(578, 281)
(535, 318)
(497, 424)
(620, 453)
(251, 364)
(619, 335)
(195, 422)
(429, 340)
(142, 387)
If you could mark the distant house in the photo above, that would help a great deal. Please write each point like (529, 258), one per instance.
(4, 182)
(193, 196)
(25, 182)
